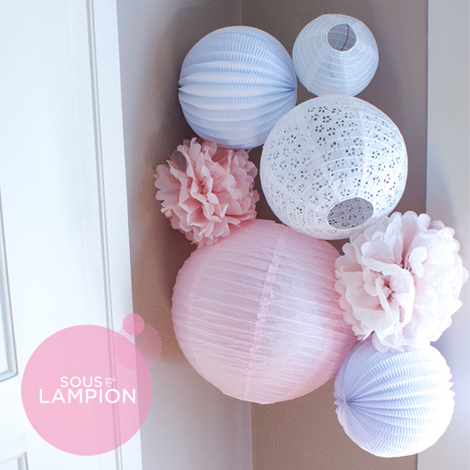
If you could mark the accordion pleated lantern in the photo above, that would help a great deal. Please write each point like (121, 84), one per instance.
(333, 164)
(235, 84)
(335, 54)
(257, 313)
(394, 404)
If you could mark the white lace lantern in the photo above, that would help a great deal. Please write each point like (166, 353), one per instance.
(235, 84)
(394, 404)
(335, 54)
(332, 164)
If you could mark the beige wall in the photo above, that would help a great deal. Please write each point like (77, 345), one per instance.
(191, 425)
(305, 433)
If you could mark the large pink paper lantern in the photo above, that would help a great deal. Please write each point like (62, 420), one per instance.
(258, 316)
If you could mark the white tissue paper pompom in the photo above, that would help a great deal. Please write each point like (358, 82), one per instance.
(400, 281)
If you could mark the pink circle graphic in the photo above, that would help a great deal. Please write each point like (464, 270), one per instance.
(78, 397)
(148, 343)
(133, 324)
(145, 338)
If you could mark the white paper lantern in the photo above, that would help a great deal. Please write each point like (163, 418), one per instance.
(257, 314)
(335, 54)
(235, 84)
(394, 404)
(332, 164)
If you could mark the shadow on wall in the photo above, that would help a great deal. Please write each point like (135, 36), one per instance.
(154, 126)
(154, 123)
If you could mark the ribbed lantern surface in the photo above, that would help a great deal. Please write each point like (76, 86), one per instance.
(235, 84)
(393, 404)
(335, 54)
(257, 314)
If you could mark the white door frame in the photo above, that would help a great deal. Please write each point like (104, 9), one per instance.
(110, 158)
(448, 199)
(89, 31)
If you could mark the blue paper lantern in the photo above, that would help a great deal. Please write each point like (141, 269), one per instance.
(335, 54)
(394, 404)
(235, 84)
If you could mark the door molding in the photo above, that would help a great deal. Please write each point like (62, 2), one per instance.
(111, 174)
(5, 311)
(448, 199)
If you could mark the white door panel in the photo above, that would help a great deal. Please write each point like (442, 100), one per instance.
(17, 463)
(8, 367)
(62, 184)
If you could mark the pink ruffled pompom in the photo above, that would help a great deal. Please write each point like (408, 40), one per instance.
(205, 190)
(400, 281)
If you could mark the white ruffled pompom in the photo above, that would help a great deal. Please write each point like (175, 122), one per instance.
(400, 281)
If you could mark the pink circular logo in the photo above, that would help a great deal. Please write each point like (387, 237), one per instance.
(81, 396)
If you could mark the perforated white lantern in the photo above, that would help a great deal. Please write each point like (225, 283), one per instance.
(235, 84)
(393, 404)
(333, 164)
(335, 54)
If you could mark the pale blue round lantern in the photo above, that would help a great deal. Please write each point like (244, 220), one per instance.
(335, 54)
(393, 404)
(235, 84)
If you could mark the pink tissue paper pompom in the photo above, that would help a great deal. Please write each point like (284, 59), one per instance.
(206, 189)
(400, 281)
